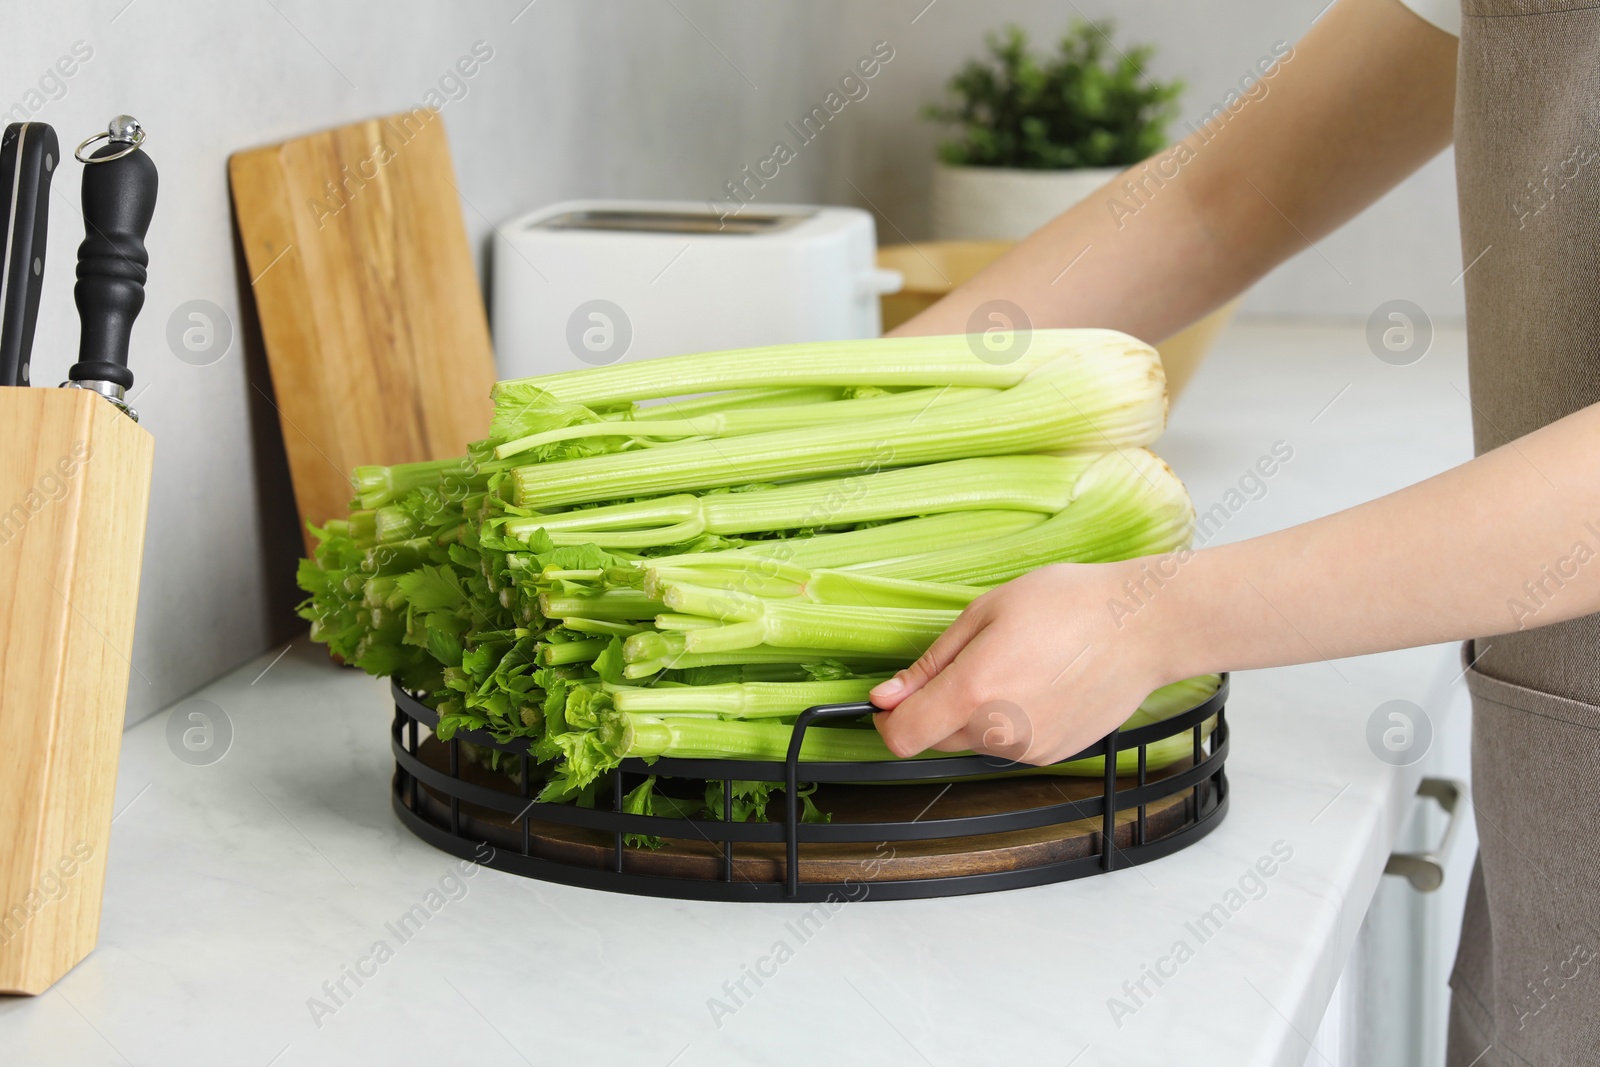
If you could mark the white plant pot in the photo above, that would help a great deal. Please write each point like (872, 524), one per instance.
(1001, 203)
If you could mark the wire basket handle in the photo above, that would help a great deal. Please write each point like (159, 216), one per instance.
(791, 768)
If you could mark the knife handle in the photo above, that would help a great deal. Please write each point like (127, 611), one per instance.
(28, 157)
(119, 198)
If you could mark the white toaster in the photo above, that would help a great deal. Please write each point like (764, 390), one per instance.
(591, 282)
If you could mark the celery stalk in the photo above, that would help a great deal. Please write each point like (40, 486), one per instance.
(688, 407)
(903, 632)
(702, 738)
(742, 700)
(868, 590)
(890, 361)
(762, 654)
(736, 421)
(1022, 483)
(556, 655)
(714, 590)
(614, 605)
(1128, 504)
(644, 733)
(894, 540)
(1103, 394)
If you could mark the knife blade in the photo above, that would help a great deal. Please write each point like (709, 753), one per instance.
(119, 199)
(28, 157)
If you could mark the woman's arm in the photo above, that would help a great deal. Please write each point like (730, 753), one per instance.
(1507, 541)
(1362, 101)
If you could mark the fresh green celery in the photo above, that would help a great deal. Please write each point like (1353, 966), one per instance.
(376, 486)
(759, 578)
(741, 700)
(784, 528)
(363, 527)
(670, 621)
(894, 361)
(614, 605)
(1173, 699)
(1129, 504)
(723, 605)
(681, 660)
(1158, 756)
(394, 524)
(551, 654)
(893, 540)
(883, 631)
(688, 407)
(604, 627)
(652, 646)
(737, 421)
(717, 591)
(398, 557)
(867, 590)
(1105, 395)
(1021, 483)
(626, 736)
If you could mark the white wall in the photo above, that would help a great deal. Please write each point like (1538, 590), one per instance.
(1406, 246)
(598, 97)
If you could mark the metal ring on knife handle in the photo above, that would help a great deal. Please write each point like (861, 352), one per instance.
(123, 130)
(1425, 870)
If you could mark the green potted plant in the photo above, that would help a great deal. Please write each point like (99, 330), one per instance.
(1034, 134)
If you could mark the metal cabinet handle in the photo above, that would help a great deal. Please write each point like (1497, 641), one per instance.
(1425, 870)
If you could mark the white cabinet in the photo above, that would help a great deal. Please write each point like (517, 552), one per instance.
(1393, 998)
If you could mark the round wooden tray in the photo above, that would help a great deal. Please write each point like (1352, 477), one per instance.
(762, 862)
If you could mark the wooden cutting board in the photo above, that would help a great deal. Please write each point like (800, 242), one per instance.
(370, 309)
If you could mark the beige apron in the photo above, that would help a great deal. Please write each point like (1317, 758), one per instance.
(1527, 981)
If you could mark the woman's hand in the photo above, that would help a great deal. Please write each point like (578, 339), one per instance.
(1046, 665)
(1032, 671)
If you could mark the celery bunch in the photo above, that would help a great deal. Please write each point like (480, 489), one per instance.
(676, 557)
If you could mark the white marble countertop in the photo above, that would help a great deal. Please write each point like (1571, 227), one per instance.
(236, 890)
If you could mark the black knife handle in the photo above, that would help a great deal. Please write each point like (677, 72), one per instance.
(119, 198)
(29, 154)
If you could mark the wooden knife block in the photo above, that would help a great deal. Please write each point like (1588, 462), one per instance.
(74, 493)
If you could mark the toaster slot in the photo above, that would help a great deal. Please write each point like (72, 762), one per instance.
(671, 222)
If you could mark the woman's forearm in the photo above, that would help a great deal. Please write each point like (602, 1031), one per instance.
(1362, 101)
(1511, 539)
(1508, 541)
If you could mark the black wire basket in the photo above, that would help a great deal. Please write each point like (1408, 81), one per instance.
(898, 830)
